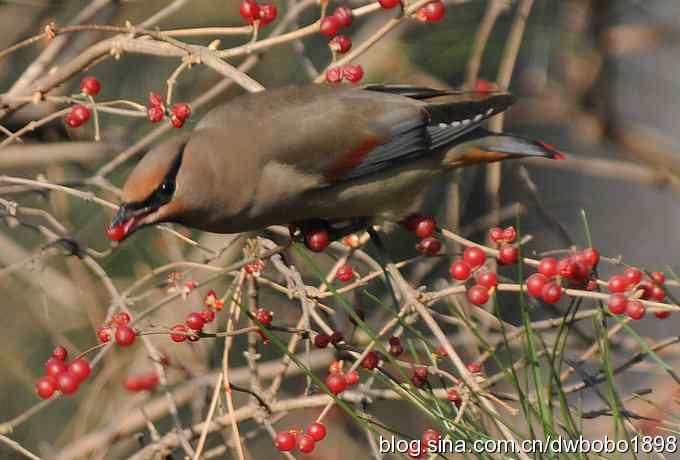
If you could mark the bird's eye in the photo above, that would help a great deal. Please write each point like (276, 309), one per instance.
(167, 188)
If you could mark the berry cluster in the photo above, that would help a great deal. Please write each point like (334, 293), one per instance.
(315, 235)
(79, 114)
(212, 301)
(428, 443)
(473, 262)
(338, 381)
(576, 269)
(353, 73)
(157, 111)
(329, 26)
(61, 375)
(194, 322)
(432, 12)
(285, 441)
(630, 286)
(423, 227)
(419, 377)
(252, 11)
(507, 252)
(345, 273)
(255, 268)
(144, 382)
(323, 340)
(123, 334)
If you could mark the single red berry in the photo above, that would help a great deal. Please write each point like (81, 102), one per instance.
(336, 337)
(352, 378)
(336, 383)
(617, 303)
(334, 75)
(453, 395)
(195, 321)
(662, 314)
(67, 383)
(478, 295)
(103, 334)
(177, 122)
(335, 367)
(635, 309)
(317, 240)
(618, 283)
(250, 11)
(430, 436)
(45, 387)
(460, 270)
(535, 284)
(474, 368)
(396, 350)
(353, 73)
(305, 443)
(329, 26)
(484, 86)
(344, 15)
(134, 384)
(81, 113)
(370, 361)
(60, 353)
(178, 333)
(150, 381)
(284, 441)
(387, 4)
(659, 278)
(434, 11)
(121, 318)
(155, 100)
(548, 266)
(633, 275)
(181, 110)
(509, 234)
(54, 367)
(581, 270)
(268, 13)
(508, 254)
(420, 372)
(208, 316)
(345, 273)
(591, 256)
(646, 290)
(658, 294)
(425, 227)
(429, 246)
(80, 369)
(322, 340)
(340, 44)
(417, 381)
(551, 293)
(264, 316)
(316, 430)
(90, 86)
(496, 234)
(125, 336)
(474, 256)
(155, 114)
(566, 268)
(488, 279)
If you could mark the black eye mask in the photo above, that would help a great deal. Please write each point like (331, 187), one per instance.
(163, 193)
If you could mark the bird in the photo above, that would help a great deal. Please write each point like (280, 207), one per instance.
(333, 155)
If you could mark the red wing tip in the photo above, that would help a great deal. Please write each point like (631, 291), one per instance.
(559, 156)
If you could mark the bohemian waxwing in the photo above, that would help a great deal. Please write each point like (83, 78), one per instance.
(314, 153)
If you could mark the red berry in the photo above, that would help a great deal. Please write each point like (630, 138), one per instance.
(195, 321)
(617, 303)
(125, 336)
(387, 4)
(474, 256)
(322, 340)
(535, 284)
(150, 381)
(662, 314)
(316, 430)
(646, 290)
(120, 319)
(508, 254)
(103, 334)
(425, 226)
(317, 240)
(370, 361)
(340, 44)
(658, 294)
(181, 110)
(352, 378)
(345, 273)
(336, 383)
(617, 283)
(354, 73)
(90, 86)
(177, 122)
(548, 266)
(336, 337)
(417, 381)
(591, 257)
(509, 234)
(250, 11)
(208, 316)
(54, 367)
(394, 340)
(334, 75)
(460, 270)
(580, 270)
(454, 396)
(496, 234)
(60, 353)
(80, 113)
(430, 436)
(659, 278)
(420, 372)
(474, 368)
(264, 316)
(478, 295)
(155, 114)
(284, 441)
(434, 11)
(45, 387)
(134, 384)
(566, 268)
(635, 309)
(155, 100)
(551, 293)
(80, 369)
(429, 246)
(178, 333)
(344, 15)
(305, 443)
(329, 26)
(484, 86)
(268, 13)
(396, 350)
(633, 275)
(487, 279)
(67, 383)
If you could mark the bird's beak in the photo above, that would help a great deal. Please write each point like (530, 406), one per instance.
(126, 221)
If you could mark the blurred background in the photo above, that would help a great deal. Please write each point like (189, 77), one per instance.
(597, 78)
